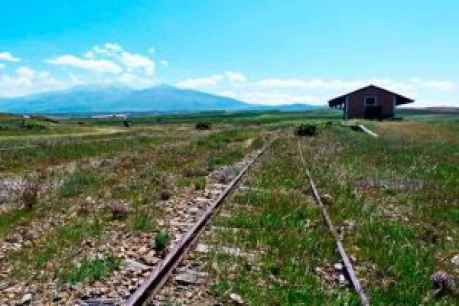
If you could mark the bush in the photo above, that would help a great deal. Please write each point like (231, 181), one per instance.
(33, 125)
(200, 183)
(306, 130)
(161, 240)
(30, 195)
(119, 210)
(203, 126)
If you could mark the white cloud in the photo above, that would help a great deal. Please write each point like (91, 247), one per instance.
(26, 81)
(113, 47)
(136, 61)
(319, 91)
(132, 62)
(235, 76)
(8, 57)
(26, 72)
(99, 65)
(164, 63)
(210, 81)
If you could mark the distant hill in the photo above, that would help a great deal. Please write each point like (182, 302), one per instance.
(162, 98)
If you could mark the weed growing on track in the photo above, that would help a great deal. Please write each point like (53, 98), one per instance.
(161, 240)
(90, 270)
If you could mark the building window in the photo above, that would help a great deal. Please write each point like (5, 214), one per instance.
(370, 101)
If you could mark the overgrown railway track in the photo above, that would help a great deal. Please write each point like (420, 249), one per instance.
(364, 300)
(164, 269)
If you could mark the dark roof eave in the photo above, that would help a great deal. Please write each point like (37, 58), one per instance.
(405, 101)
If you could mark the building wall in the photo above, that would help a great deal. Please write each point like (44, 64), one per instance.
(356, 103)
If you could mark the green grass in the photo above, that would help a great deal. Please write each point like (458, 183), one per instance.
(60, 152)
(90, 270)
(161, 240)
(401, 229)
(142, 221)
(79, 183)
(56, 246)
(13, 217)
(402, 233)
(284, 230)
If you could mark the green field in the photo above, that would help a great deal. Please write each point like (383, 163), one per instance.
(394, 199)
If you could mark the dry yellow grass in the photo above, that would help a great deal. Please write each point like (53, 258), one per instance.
(417, 131)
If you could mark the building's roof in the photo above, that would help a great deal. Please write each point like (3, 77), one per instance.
(341, 99)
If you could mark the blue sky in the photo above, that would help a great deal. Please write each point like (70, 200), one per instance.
(264, 51)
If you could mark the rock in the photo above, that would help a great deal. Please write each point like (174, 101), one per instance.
(455, 260)
(4, 285)
(237, 299)
(442, 282)
(129, 263)
(143, 250)
(190, 277)
(338, 266)
(342, 279)
(202, 248)
(26, 299)
(150, 258)
(14, 238)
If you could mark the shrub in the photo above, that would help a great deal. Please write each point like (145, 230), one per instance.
(30, 195)
(119, 210)
(161, 240)
(200, 183)
(33, 125)
(306, 130)
(203, 126)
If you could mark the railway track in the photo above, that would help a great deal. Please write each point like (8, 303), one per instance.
(164, 269)
(364, 300)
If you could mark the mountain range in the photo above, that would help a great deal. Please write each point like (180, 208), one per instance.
(161, 98)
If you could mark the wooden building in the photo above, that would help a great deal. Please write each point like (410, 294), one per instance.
(370, 102)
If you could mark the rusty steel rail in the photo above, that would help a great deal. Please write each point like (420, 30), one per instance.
(164, 269)
(347, 262)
